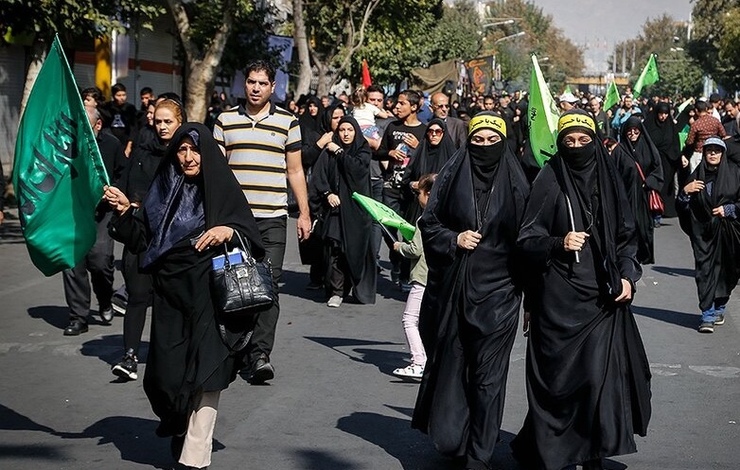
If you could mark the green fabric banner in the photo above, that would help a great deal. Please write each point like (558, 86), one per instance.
(543, 116)
(682, 136)
(648, 76)
(385, 215)
(59, 173)
(612, 96)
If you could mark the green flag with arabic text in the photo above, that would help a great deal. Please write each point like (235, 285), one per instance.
(385, 215)
(542, 116)
(58, 171)
(648, 76)
(612, 96)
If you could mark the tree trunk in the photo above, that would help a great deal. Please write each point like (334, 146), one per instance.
(38, 55)
(200, 83)
(325, 77)
(301, 41)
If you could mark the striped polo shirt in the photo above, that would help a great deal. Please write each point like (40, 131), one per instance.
(255, 150)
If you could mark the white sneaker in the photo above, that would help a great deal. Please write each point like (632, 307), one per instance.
(335, 301)
(411, 371)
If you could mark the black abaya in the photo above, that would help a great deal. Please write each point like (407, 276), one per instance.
(665, 137)
(587, 372)
(187, 354)
(349, 226)
(470, 309)
(627, 155)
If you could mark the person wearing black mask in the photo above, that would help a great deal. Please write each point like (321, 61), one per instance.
(709, 206)
(471, 305)
(639, 164)
(588, 378)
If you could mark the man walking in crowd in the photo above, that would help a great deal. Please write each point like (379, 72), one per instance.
(399, 144)
(602, 121)
(627, 110)
(262, 143)
(702, 128)
(99, 260)
(122, 116)
(456, 127)
(376, 96)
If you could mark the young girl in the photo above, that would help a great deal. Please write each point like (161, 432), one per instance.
(365, 114)
(415, 251)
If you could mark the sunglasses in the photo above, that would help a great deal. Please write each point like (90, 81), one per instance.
(435, 131)
(443, 106)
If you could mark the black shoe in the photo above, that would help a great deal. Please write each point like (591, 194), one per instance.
(75, 327)
(127, 368)
(262, 371)
(106, 314)
(593, 465)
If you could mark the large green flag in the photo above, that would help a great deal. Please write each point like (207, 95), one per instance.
(542, 116)
(58, 174)
(385, 215)
(612, 96)
(648, 76)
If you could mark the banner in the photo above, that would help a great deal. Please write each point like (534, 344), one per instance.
(542, 116)
(385, 215)
(480, 74)
(366, 79)
(282, 45)
(59, 174)
(612, 97)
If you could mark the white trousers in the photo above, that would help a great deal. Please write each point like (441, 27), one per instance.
(196, 451)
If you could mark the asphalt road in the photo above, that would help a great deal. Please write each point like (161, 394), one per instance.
(334, 404)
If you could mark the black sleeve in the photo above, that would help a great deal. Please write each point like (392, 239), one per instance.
(537, 243)
(386, 145)
(130, 229)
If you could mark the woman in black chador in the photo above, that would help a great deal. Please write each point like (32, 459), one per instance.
(588, 378)
(193, 206)
(341, 170)
(664, 134)
(709, 206)
(636, 149)
(471, 305)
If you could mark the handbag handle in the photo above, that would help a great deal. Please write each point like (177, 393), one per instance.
(246, 248)
(639, 169)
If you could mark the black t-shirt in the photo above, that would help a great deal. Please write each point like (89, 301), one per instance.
(393, 139)
(121, 120)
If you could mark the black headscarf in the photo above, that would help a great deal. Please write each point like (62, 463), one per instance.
(308, 122)
(644, 150)
(178, 207)
(663, 134)
(430, 158)
(326, 117)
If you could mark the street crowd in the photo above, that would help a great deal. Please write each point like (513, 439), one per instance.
(495, 235)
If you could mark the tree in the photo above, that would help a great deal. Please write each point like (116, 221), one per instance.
(71, 19)
(714, 44)
(680, 75)
(540, 37)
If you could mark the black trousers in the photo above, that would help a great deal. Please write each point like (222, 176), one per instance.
(99, 264)
(338, 279)
(393, 199)
(274, 232)
(376, 237)
(139, 287)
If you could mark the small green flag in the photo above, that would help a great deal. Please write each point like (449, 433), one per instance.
(568, 90)
(59, 174)
(385, 215)
(542, 117)
(682, 136)
(648, 76)
(612, 96)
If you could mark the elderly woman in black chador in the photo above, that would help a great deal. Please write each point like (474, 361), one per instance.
(638, 163)
(192, 208)
(470, 309)
(341, 170)
(709, 206)
(588, 379)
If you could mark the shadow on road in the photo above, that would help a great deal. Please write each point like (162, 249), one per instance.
(314, 459)
(132, 436)
(10, 232)
(58, 316)
(671, 271)
(385, 360)
(686, 320)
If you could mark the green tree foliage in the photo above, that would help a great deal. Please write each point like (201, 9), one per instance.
(680, 75)
(715, 41)
(541, 37)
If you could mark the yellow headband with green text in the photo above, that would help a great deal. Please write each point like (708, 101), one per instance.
(567, 121)
(487, 121)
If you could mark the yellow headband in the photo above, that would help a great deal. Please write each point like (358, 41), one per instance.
(567, 121)
(487, 121)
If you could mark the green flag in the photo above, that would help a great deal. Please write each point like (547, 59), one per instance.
(385, 215)
(542, 116)
(58, 174)
(648, 76)
(684, 105)
(612, 96)
(682, 136)
(568, 90)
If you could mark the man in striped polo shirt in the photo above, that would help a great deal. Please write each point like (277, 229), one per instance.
(262, 143)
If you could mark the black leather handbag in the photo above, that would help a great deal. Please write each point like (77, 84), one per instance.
(245, 287)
